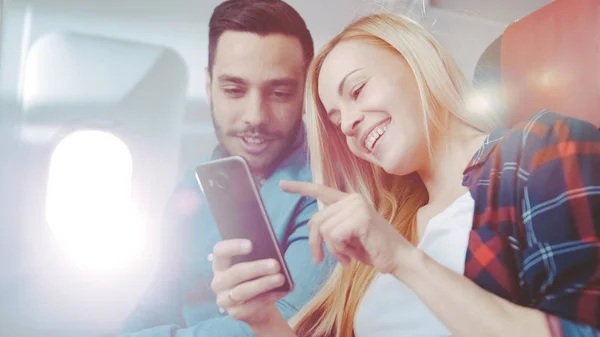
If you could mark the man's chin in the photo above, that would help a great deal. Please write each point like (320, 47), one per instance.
(258, 164)
(261, 162)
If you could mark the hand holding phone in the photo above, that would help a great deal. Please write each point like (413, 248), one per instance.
(239, 212)
(247, 291)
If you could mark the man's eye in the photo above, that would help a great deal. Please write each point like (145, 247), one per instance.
(282, 94)
(233, 91)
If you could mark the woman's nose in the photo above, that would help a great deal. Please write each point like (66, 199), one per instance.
(351, 122)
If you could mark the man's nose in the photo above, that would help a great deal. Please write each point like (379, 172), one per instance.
(256, 112)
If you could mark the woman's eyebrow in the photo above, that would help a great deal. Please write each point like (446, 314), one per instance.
(343, 82)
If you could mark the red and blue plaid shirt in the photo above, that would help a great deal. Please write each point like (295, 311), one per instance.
(535, 238)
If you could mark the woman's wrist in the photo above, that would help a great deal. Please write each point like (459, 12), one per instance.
(274, 325)
(410, 262)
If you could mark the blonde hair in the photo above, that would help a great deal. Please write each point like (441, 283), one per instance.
(442, 89)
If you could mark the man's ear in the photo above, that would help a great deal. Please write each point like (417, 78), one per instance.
(208, 84)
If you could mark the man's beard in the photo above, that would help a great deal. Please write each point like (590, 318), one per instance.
(257, 131)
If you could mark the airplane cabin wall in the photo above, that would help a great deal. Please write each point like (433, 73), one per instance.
(456, 31)
(186, 33)
(188, 36)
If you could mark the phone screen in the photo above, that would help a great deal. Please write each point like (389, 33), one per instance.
(238, 209)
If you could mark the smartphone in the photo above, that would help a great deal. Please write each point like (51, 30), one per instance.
(239, 212)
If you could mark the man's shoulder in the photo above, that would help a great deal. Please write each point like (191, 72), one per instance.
(188, 179)
(186, 197)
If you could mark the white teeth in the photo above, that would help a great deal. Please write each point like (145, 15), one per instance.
(252, 140)
(374, 136)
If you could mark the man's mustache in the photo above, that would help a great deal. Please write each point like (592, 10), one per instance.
(255, 132)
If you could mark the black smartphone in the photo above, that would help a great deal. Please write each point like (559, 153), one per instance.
(239, 212)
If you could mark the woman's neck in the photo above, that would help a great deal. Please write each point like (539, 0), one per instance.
(444, 174)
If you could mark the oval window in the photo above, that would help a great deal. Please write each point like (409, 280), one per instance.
(88, 201)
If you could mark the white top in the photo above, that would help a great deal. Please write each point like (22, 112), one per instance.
(390, 308)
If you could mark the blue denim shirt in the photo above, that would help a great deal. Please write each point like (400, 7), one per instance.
(179, 301)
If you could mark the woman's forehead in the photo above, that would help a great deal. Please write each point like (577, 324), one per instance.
(343, 58)
(347, 57)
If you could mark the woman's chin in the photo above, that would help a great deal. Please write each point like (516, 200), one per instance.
(392, 169)
(392, 163)
(398, 167)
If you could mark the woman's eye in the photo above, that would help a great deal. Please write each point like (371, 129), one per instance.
(282, 94)
(356, 92)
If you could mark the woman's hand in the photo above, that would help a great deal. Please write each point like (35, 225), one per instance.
(352, 228)
(244, 289)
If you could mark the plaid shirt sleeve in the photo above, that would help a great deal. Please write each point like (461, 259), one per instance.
(560, 213)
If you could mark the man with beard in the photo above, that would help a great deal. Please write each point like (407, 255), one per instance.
(259, 51)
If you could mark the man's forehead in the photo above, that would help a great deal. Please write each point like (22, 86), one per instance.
(256, 57)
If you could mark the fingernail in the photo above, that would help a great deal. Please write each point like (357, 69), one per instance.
(272, 265)
(277, 279)
(246, 245)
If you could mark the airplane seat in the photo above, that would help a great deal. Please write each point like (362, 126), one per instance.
(9, 190)
(9, 119)
(550, 59)
(98, 114)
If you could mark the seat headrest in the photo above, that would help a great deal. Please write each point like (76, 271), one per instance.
(73, 68)
(72, 78)
(551, 60)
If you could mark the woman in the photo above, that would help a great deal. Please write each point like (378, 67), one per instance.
(441, 228)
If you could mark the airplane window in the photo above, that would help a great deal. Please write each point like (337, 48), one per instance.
(88, 202)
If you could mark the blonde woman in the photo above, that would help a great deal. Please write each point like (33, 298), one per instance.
(441, 227)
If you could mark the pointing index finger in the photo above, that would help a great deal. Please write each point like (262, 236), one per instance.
(326, 195)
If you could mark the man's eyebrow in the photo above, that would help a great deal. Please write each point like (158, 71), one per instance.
(286, 81)
(343, 82)
(229, 78)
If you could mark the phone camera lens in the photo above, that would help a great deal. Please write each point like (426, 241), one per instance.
(221, 180)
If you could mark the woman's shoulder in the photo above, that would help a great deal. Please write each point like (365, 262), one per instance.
(545, 137)
(548, 136)
(552, 127)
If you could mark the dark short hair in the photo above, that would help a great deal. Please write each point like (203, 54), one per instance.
(260, 17)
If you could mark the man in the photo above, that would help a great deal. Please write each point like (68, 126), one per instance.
(259, 51)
